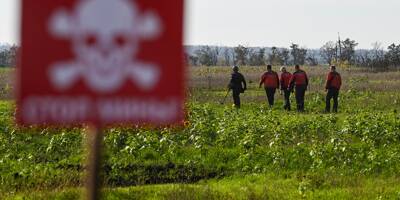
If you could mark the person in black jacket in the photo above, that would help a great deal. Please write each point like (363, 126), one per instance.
(237, 84)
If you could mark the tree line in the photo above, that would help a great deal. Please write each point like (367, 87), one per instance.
(341, 52)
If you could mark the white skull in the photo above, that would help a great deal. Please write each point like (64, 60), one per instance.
(105, 36)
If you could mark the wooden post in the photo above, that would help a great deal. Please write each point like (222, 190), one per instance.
(93, 181)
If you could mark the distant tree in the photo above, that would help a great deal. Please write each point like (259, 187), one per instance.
(378, 56)
(233, 56)
(257, 57)
(328, 52)
(207, 56)
(241, 55)
(362, 58)
(193, 60)
(3, 58)
(312, 59)
(13, 55)
(393, 55)
(8, 57)
(279, 56)
(215, 52)
(274, 57)
(374, 58)
(204, 56)
(298, 54)
(284, 55)
(348, 50)
(228, 57)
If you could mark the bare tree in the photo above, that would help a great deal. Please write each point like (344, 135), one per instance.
(311, 58)
(377, 50)
(228, 57)
(257, 57)
(215, 52)
(208, 56)
(328, 52)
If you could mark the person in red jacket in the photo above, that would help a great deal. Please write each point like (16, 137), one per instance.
(299, 81)
(270, 80)
(285, 83)
(333, 84)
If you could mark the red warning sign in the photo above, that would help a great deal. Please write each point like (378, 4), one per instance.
(101, 61)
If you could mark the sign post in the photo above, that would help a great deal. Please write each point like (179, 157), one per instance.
(95, 143)
(101, 62)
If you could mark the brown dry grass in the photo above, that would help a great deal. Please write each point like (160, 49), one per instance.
(6, 83)
(206, 79)
(216, 78)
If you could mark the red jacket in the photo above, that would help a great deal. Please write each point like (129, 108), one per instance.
(270, 80)
(333, 80)
(299, 78)
(285, 80)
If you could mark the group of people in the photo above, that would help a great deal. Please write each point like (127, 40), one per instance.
(287, 83)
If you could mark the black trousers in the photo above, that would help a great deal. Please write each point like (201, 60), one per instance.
(300, 93)
(270, 95)
(333, 93)
(236, 98)
(286, 94)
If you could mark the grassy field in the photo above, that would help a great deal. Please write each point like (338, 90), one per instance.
(221, 152)
(246, 187)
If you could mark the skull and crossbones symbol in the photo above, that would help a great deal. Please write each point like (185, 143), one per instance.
(105, 36)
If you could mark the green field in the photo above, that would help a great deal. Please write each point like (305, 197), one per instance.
(221, 152)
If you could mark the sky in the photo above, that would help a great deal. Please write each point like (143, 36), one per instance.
(309, 23)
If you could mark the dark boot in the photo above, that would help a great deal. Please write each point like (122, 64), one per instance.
(236, 98)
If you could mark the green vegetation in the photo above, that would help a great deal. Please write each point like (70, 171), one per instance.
(221, 152)
(247, 187)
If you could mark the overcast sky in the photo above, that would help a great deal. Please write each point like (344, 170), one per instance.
(309, 23)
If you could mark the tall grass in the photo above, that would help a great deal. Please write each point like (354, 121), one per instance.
(216, 78)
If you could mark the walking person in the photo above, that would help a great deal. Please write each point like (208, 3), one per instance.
(333, 84)
(237, 84)
(270, 80)
(299, 82)
(285, 84)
